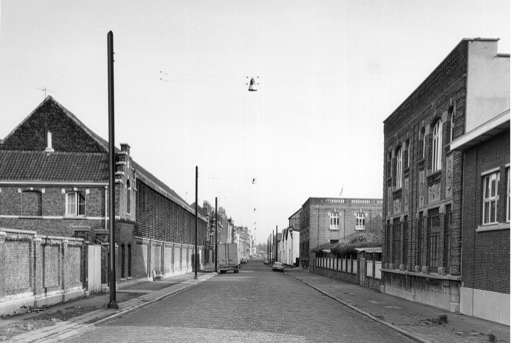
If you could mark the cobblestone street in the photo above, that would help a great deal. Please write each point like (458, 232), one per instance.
(256, 305)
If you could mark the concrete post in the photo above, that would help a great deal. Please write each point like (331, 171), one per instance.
(37, 284)
(2, 262)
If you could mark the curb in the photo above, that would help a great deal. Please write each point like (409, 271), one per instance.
(396, 328)
(76, 329)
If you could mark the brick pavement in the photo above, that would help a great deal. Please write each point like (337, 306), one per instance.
(410, 318)
(256, 305)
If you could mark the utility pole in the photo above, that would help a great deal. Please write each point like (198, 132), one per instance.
(112, 166)
(196, 226)
(276, 243)
(215, 248)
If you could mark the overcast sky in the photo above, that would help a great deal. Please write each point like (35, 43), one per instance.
(330, 73)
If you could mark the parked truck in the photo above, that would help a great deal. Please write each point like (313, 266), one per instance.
(227, 258)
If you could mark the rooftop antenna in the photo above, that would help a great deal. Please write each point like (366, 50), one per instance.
(340, 194)
(45, 90)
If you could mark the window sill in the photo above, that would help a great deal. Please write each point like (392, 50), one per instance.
(494, 227)
(77, 217)
(334, 229)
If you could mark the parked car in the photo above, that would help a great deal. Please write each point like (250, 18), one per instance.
(266, 262)
(243, 260)
(278, 266)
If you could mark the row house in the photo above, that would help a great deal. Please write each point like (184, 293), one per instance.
(327, 220)
(54, 178)
(424, 178)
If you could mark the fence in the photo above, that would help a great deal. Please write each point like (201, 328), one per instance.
(350, 269)
(38, 270)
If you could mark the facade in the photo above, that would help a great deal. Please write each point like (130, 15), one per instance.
(290, 246)
(327, 220)
(486, 216)
(422, 184)
(54, 180)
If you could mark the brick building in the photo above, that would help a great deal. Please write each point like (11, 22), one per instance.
(485, 276)
(327, 220)
(54, 178)
(422, 184)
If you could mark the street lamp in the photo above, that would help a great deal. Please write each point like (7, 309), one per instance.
(112, 166)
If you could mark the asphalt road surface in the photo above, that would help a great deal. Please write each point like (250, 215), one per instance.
(255, 305)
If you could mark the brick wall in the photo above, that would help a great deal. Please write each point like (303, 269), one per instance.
(160, 218)
(49, 217)
(424, 189)
(486, 253)
(37, 270)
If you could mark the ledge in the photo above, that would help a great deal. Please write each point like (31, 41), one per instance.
(493, 228)
(424, 275)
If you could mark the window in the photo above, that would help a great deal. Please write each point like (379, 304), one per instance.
(407, 155)
(389, 165)
(490, 198)
(399, 168)
(508, 199)
(420, 237)
(360, 221)
(451, 131)
(396, 243)
(422, 143)
(433, 237)
(405, 241)
(128, 196)
(437, 146)
(447, 237)
(334, 221)
(75, 204)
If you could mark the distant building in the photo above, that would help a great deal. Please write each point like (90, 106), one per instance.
(424, 180)
(327, 220)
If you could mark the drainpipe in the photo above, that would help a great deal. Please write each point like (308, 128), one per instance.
(106, 207)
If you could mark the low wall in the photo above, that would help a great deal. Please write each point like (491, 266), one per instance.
(484, 304)
(349, 270)
(37, 270)
(164, 259)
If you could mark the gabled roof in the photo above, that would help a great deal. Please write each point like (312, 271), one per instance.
(35, 165)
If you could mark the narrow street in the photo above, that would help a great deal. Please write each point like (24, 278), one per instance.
(255, 305)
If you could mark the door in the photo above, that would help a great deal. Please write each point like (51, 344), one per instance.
(94, 268)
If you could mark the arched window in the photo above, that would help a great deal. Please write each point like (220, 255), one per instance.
(399, 168)
(128, 198)
(437, 146)
(422, 143)
(451, 131)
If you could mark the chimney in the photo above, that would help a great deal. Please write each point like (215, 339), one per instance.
(49, 142)
(125, 148)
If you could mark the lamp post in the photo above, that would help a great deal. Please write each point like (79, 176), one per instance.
(215, 248)
(112, 163)
(276, 243)
(196, 229)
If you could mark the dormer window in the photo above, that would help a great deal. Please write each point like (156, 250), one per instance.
(75, 204)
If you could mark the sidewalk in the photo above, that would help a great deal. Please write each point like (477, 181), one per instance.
(416, 320)
(128, 298)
